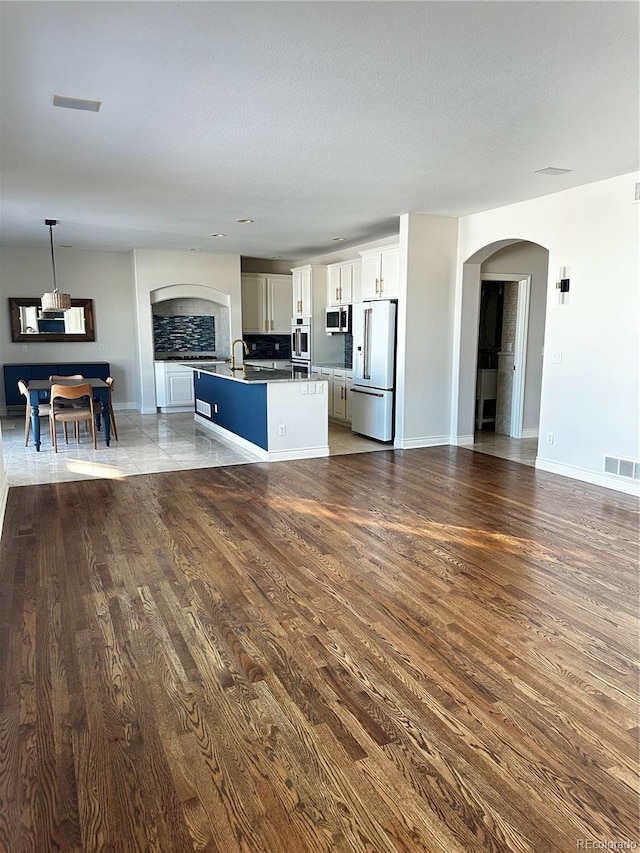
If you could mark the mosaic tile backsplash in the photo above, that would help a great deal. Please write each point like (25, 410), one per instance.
(348, 350)
(264, 346)
(186, 333)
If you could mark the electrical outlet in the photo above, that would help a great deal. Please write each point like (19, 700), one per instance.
(549, 438)
(25, 348)
(556, 358)
(277, 347)
(282, 429)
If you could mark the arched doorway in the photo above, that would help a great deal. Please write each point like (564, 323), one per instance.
(524, 264)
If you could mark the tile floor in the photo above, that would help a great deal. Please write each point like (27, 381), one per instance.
(152, 443)
(148, 444)
(523, 450)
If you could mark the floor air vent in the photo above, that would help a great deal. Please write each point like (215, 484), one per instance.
(203, 408)
(622, 467)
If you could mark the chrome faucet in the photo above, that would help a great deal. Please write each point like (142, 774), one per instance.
(233, 355)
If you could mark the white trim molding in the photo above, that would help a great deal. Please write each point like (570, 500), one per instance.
(630, 487)
(264, 455)
(425, 441)
(534, 432)
(4, 494)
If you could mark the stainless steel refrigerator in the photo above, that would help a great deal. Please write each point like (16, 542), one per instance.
(374, 363)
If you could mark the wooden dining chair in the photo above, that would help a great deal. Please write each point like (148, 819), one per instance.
(68, 377)
(43, 410)
(76, 377)
(112, 418)
(65, 414)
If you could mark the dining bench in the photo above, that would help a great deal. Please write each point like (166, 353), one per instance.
(43, 370)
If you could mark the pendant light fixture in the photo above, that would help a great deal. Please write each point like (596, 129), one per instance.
(54, 301)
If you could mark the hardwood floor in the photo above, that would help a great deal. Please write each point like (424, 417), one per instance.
(425, 650)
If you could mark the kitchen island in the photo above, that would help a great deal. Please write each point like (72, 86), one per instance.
(268, 411)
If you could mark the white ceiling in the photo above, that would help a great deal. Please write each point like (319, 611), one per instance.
(315, 119)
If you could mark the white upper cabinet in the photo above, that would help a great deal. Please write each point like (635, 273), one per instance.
(344, 283)
(302, 304)
(381, 273)
(266, 304)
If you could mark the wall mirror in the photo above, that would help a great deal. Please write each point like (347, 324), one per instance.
(29, 323)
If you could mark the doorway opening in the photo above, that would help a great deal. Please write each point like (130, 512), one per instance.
(482, 319)
(501, 355)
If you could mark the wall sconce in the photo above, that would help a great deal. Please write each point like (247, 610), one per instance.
(562, 286)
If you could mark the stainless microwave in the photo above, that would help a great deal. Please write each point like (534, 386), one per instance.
(338, 319)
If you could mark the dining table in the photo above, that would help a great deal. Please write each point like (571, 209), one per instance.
(40, 392)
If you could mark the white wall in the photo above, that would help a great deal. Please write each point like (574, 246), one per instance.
(425, 324)
(4, 485)
(104, 277)
(198, 274)
(528, 259)
(590, 401)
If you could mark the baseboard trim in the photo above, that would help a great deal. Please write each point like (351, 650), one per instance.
(462, 440)
(232, 437)
(4, 494)
(530, 433)
(261, 453)
(424, 441)
(608, 481)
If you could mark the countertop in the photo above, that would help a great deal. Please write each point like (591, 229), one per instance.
(252, 374)
(334, 365)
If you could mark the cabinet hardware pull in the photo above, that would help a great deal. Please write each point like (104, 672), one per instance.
(381, 285)
(377, 281)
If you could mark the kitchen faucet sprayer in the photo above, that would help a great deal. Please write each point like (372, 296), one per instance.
(233, 355)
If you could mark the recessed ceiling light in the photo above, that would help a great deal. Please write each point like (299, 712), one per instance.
(76, 103)
(218, 235)
(245, 221)
(552, 170)
(339, 239)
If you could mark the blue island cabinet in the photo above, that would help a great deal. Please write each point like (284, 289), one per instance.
(239, 407)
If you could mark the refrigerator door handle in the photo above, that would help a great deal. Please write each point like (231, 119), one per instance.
(366, 369)
(368, 393)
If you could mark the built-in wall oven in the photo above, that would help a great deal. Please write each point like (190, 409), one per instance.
(301, 339)
(300, 369)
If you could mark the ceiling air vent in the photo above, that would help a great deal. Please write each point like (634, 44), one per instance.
(76, 104)
(552, 170)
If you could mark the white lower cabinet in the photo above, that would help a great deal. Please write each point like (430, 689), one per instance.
(174, 387)
(340, 384)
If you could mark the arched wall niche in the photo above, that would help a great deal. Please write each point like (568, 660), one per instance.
(469, 320)
(189, 291)
(173, 302)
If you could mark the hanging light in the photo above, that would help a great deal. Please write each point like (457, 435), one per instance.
(54, 301)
